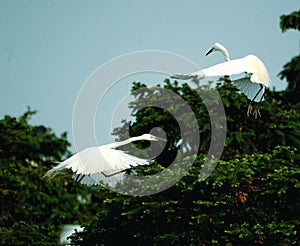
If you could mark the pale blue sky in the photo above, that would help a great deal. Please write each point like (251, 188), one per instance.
(49, 48)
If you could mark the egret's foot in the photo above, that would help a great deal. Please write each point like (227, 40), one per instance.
(249, 111)
(256, 112)
(253, 111)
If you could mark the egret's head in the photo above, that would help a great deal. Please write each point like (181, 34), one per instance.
(219, 47)
(150, 137)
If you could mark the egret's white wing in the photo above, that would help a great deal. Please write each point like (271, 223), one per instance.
(120, 160)
(106, 165)
(249, 89)
(226, 68)
(248, 65)
(98, 178)
(183, 76)
(89, 160)
(259, 71)
(95, 163)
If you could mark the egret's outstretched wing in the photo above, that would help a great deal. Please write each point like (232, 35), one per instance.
(97, 163)
(100, 178)
(226, 68)
(184, 76)
(249, 89)
(249, 65)
(232, 67)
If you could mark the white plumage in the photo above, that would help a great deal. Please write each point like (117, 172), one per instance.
(254, 75)
(94, 165)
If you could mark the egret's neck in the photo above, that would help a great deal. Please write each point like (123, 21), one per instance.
(225, 53)
(118, 144)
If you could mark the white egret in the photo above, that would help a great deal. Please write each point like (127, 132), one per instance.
(254, 80)
(102, 163)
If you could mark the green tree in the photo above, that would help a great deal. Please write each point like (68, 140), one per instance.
(251, 199)
(290, 21)
(291, 71)
(32, 209)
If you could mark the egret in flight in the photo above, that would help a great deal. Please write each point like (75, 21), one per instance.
(254, 75)
(102, 163)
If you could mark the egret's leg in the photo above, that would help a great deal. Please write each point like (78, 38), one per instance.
(256, 111)
(79, 178)
(261, 87)
(262, 97)
(109, 175)
(250, 107)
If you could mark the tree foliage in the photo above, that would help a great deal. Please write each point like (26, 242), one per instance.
(291, 71)
(290, 21)
(32, 209)
(251, 199)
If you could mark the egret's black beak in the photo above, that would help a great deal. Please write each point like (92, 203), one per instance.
(160, 139)
(211, 50)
